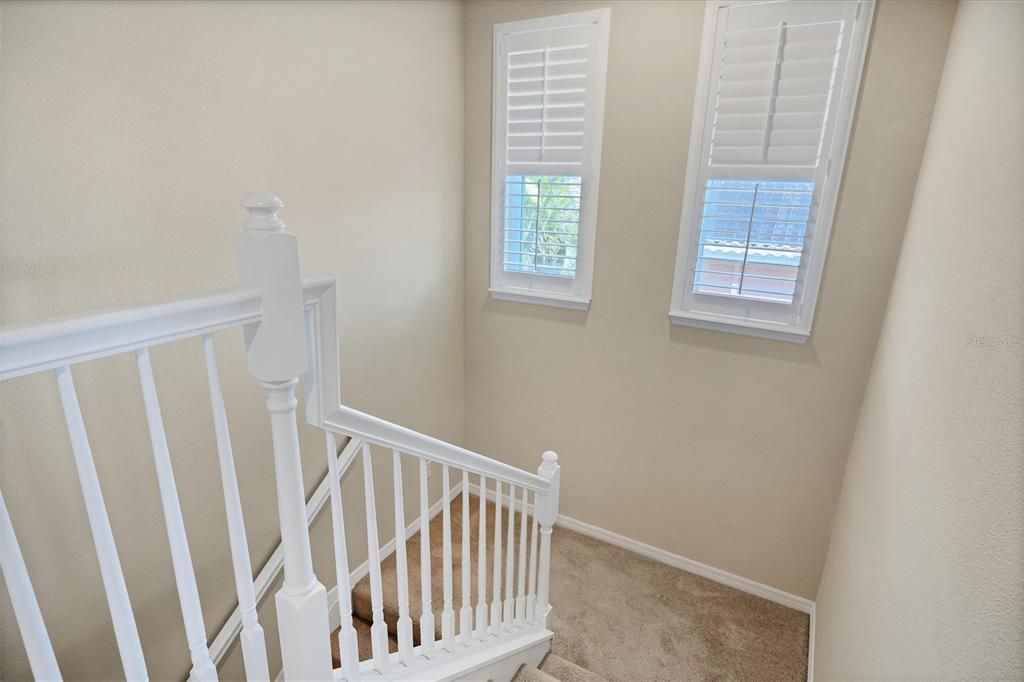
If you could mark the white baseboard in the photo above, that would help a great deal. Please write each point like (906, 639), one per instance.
(689, 565)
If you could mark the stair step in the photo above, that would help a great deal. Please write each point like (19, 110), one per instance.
(362, 629)
(528, 673)
(567, 671)
(361, 599)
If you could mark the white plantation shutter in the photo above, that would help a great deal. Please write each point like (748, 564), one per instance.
(775, 102)
(549, 78)
(547, 100)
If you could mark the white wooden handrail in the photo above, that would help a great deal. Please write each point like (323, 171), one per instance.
(349, 422)
(64, 341)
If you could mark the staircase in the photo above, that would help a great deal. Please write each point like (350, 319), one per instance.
(552, 667)
(481, 597)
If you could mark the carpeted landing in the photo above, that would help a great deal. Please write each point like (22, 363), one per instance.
(617, 615)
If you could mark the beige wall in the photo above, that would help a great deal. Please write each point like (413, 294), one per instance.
(130, 132)
(723, 448)
(925, 572)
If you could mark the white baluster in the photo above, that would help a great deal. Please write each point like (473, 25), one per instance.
(181, 557)
(348, 640)
(520, 614)
(23, 601)
(481, 564)
(531, 591)
(509, 604)
(448, 612)
(466, 613)
(121, 615)
(427, 607)
(546, 515)
(254, 647)
(496, 586)
(268, 260)
(379, 628)
(404, 620)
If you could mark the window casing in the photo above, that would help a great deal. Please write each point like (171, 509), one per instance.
(775, 99)
(548, 111)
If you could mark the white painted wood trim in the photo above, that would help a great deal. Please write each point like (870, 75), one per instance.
(540, 298)
(726, 323)
(689, 565)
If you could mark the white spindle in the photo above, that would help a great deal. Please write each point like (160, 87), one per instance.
(427, 607)
(379, 628)
(404, 620)
(509, 603)
(121, 615)
(448, 612)
(496, 586)
(531, 591)
(268, 260)
(348, 640)
(481, 563)
(520, 614)
(466, 613)
(254, 647)
(23, 602)
(546, 516)
(181, 557)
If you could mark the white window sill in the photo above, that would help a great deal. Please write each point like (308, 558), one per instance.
(541, 298)
(722, 323)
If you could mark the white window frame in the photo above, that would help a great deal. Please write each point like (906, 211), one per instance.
(561, 292)
(745, 316)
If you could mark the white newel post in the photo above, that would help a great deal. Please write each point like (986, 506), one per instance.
(268, 260)
(546, 514)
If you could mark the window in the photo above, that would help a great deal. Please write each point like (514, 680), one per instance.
(549, 79)
(776, 91)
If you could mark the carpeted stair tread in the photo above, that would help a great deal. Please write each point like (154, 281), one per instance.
(361, 601)
(567, 671)
(528, 673)
(362, 629)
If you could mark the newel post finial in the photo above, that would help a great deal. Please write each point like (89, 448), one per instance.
(549, 469)
(263, 208)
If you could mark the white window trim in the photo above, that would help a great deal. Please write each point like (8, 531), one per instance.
(845, 109)
(577, 295)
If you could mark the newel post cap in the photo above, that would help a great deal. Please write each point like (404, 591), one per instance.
(263, 208)
(548, 465)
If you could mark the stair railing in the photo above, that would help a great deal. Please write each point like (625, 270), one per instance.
(290, 334)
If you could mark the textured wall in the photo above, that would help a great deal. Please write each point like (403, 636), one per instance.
(130, 132)
(723, 448)
(925, 572)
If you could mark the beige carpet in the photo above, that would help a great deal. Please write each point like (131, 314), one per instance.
(624, 617)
